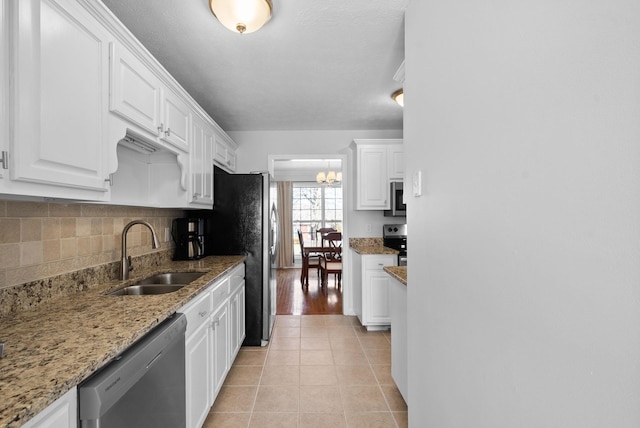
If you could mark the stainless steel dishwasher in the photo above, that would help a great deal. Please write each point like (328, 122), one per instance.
(143, 387)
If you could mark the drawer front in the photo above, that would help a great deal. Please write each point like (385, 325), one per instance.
(220, 293)
(237, 277)
(377, 262)
(198, 312)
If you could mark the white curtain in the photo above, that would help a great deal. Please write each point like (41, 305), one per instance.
(285, 213)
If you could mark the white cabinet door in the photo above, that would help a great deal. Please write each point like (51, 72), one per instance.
(375, 290)
(231, 160)
(399, 354)
(372, 179)
(236, 319)
(61, 67)
(198, 375)
(135, 90)
(220, 345)
(224, 155)
(241, 316)
(395, 156)
(377, 283)
(176, 114)
(220, 152)
(63, 413)
(201, 163)
(234, 306)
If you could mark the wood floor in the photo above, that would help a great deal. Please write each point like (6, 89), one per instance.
(294, 300)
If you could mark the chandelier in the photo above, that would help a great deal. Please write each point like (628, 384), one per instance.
(330, 177)
(243, 16)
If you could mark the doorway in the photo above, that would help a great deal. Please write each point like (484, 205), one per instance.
(317, 205)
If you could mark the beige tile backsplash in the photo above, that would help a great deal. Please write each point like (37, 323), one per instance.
(43, 239)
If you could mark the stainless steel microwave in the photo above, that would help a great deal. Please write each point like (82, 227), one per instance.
(398, 207)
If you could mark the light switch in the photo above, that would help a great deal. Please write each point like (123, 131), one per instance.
(417, 183)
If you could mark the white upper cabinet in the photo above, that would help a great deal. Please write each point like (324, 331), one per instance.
(75, 88)
(395, 154)
(135, 90)
(378, 162)
(201, 190)
(138, 95)
(59, 59)
(176, 114)
(224, 154)
(372, 182)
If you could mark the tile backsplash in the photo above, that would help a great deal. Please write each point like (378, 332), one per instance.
(44, 239)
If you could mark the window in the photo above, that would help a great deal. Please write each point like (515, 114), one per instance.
(314, 207)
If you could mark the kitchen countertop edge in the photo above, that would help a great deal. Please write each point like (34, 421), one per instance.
(44, 361)
(397, 272)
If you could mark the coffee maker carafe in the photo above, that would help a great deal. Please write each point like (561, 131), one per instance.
(188, 235)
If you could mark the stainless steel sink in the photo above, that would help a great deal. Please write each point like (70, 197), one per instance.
(140, 290)
(171, 278)
(161, 283)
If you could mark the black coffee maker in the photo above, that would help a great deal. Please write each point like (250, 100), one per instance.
(188, 235)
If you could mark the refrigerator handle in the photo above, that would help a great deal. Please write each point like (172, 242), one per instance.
(275, 223)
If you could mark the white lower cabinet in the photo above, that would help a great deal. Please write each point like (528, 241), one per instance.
(198, 357)
(63, 413)
(220, 347)
(371, 289)
(215, 322)
(399, 354)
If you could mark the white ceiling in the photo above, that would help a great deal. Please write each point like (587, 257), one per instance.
(316, 65)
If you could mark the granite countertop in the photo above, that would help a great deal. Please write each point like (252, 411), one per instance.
(397, 272)
(52, 348)
(370, 246)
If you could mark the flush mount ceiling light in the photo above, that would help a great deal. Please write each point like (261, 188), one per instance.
(330, 177)
(243, 16)
(398, 96)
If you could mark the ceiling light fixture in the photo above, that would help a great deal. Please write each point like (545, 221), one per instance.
(330, 177)
(398, 96)
(243, 16)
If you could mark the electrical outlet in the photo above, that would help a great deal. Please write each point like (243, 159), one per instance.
(369, 228)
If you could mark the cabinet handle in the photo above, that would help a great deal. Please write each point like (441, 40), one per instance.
(109, 180)
(203, 314)
(168, 132)
(215, 323)
(161, 128)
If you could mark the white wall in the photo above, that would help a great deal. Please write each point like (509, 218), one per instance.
(255, 147)
(524, 307)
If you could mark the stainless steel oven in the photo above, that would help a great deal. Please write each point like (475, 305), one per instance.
(398, 207)
(395, 236)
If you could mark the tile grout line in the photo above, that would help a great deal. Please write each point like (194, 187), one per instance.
(378, 380)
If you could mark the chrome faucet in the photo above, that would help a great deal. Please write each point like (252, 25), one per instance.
(126, 261)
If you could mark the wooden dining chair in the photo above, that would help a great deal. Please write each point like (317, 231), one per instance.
(331, 260)
(322, 231)
(308, 261)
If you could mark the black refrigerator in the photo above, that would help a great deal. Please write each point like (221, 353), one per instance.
(244, 221)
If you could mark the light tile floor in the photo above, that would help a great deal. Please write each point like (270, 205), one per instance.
(318, 371)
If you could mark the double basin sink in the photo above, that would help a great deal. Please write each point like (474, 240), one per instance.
(160, 283)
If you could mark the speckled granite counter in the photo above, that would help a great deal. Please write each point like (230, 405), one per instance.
(52, 348)
(397, 272)
(370, 246)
